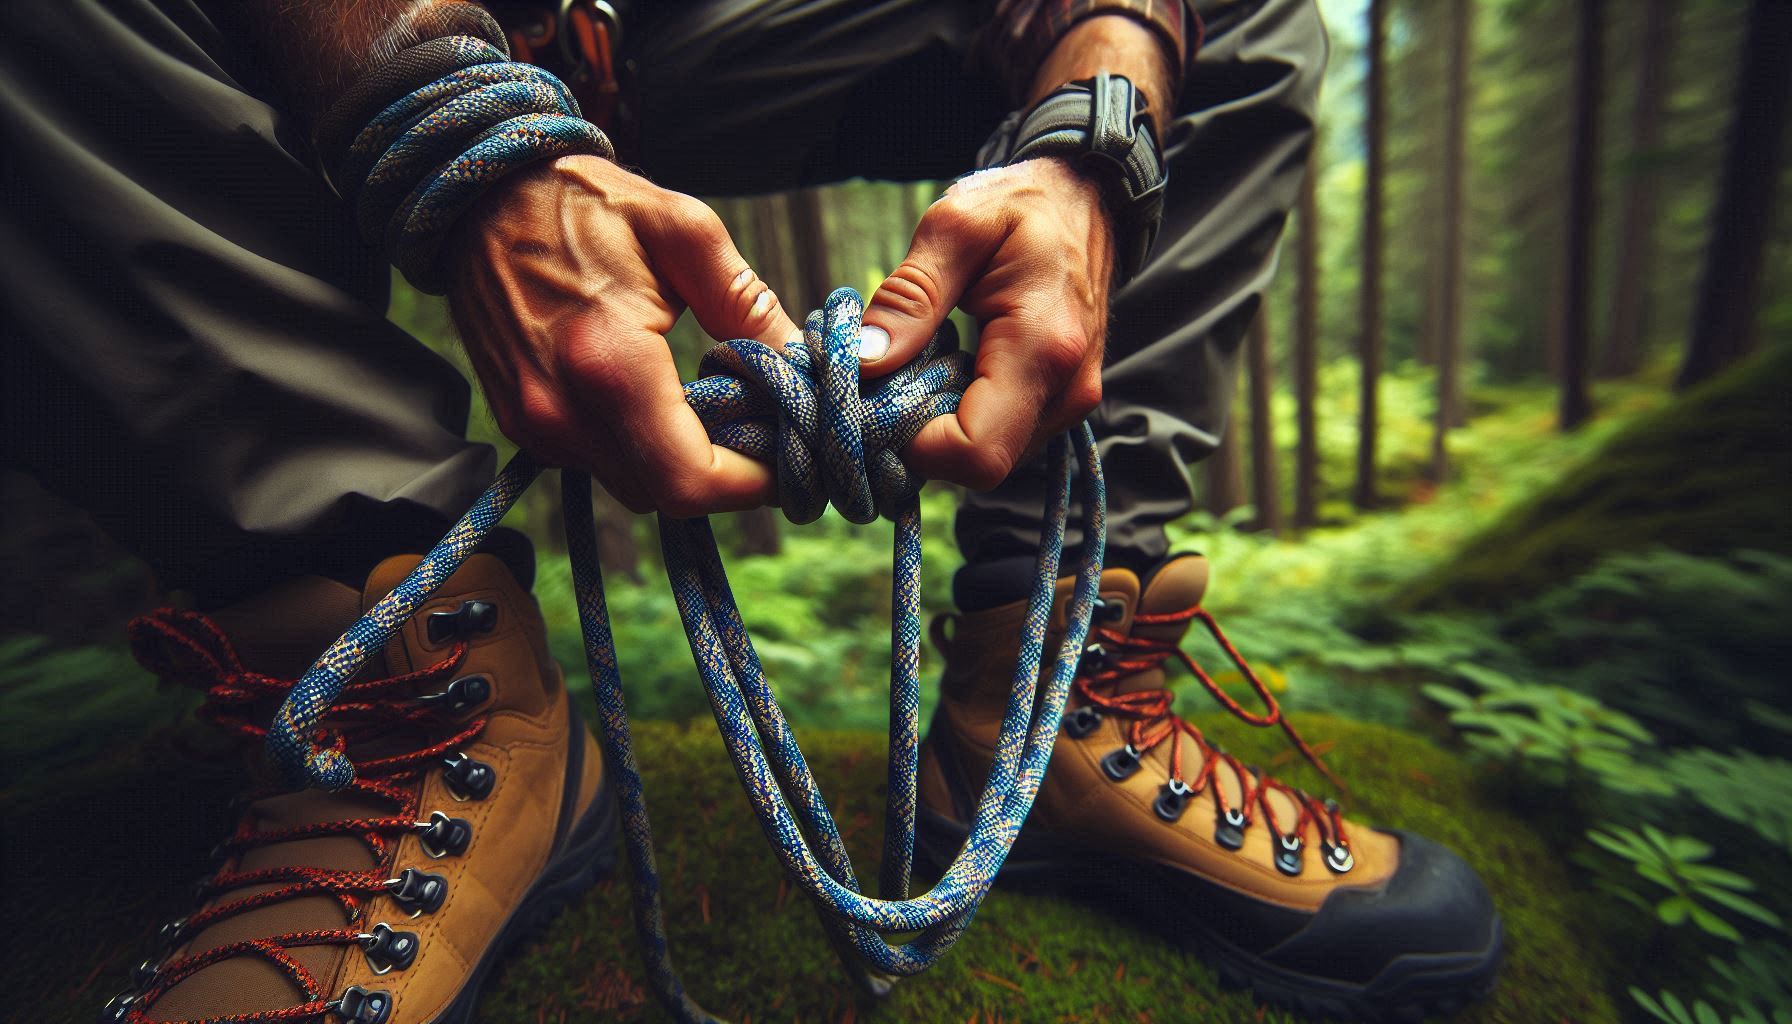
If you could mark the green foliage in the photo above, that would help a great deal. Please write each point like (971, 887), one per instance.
(1683, 641)
(1752, 985)
(1551, 731)
(1676, 864)
(1743, 787)
(1757, 979)
(65, 706)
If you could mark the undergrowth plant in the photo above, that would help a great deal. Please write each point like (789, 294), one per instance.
(1695, 890)
(1550, 732)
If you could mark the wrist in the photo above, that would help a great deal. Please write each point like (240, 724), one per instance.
(1111, 43)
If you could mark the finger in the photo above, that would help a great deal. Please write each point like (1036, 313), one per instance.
(952, 246)
(1030, 382)
(632, 385)
(693, 254)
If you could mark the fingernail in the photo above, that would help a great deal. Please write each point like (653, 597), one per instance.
(763, 302)
(874, 342)
(743, 277)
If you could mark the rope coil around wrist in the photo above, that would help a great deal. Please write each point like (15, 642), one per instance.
(419, 161)
(833, 439)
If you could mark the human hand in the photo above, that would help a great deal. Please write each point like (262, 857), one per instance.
(1027, 250)
(567, 277)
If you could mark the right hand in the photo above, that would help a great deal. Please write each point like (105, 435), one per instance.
(567, 277)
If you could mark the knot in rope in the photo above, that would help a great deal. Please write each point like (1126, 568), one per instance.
(831, 436)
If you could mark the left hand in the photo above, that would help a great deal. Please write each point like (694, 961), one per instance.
(1027, 250)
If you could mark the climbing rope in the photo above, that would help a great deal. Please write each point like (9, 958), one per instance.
(833, 439)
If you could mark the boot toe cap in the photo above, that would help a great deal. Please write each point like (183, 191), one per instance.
(1433, 915)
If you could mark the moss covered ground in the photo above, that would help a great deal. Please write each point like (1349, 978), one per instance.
(100, 881)
(1707, 474)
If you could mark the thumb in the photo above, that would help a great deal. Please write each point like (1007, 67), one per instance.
(691, 251)
(949, 251)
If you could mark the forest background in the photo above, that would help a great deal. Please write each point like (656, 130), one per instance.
(1501, 516)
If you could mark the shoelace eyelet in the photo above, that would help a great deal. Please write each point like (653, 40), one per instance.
(360, 1006)
(442, 836)
(1093, 657)
(145, 973)
(387, 949)
(1081, 722)
(418, 892)
(1229, 830)
(1288, 855)
(170, 934)
(118, 1008)
(1109, 611)
(461, 695)
(472, 617)
(1172, 800)
(1338, 857)
(468, 778)
(1119, 765)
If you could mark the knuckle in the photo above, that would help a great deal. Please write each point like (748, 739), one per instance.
(694, 215)
(951, 216)
(681, 496)
(912, 290)
(986, 466)
(1083, 396)
(1060, 354)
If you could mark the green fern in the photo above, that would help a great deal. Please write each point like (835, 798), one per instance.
(1676, 864)
(1550, 731)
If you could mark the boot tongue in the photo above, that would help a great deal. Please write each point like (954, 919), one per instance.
(281, 631)
(1176, 586)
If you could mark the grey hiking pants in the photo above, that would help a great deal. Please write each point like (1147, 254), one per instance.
(196, 349)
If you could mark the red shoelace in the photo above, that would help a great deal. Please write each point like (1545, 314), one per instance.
(1122, 655)
(188, 648)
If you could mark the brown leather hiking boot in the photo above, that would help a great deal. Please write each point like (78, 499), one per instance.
(479, 807)
(1138, 809)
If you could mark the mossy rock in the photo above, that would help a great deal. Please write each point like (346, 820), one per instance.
(1709, 473)
(107, 860)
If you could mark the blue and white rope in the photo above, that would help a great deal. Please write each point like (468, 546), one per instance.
(771, 421)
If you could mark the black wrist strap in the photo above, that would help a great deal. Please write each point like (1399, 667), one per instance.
(1100, 123)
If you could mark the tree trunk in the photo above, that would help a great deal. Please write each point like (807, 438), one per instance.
(1369, 342)
(616, 547)
(1306, 355)
(1723, 328)
(808, 227)
(771, 250)
(1266, 490)
(1583, 201)
(1225, 474)
(1449, 314)
(1623, 352)
(757, 531)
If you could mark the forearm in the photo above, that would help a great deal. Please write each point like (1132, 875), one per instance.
(1116, 44)
(317, 49)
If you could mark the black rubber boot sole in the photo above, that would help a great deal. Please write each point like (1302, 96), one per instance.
(586, 857)
(1408, 990)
